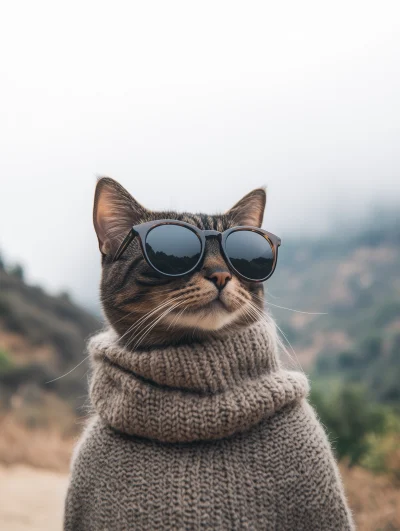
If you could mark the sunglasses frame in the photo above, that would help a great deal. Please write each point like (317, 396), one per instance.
(142, 230)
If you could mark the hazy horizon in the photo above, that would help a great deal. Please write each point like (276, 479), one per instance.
(191, 111)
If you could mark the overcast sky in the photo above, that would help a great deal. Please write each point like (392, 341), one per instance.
(190, 105)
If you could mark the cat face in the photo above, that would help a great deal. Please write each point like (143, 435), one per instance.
(147, 308)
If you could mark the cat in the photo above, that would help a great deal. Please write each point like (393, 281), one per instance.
(147, 308)
(195, 423)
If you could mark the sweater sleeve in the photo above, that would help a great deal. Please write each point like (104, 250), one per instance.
(319, 503)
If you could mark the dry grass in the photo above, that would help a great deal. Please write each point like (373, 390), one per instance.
(374, 500)
(39, 448)
(23, 352)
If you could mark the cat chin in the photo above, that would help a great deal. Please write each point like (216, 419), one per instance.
(206, 320)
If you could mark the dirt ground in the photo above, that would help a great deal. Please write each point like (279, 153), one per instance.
(31, 499)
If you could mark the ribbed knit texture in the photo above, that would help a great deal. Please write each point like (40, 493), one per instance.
(207, 436)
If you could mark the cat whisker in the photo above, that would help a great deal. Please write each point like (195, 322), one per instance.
(263, 299)
(295, 311)
(263, 316)
(146, 327)
(69, 372)
(238, 306)
(291, 348)
(269, 293)
(144, 318)
(176, 318)
(150, 326)
(157, 320)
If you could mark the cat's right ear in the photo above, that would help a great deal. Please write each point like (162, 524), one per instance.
(115, 211)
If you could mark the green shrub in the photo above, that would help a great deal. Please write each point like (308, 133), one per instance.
(5, 361)
(347, 361)
(383, 455)
(371, 348)
(350, 419)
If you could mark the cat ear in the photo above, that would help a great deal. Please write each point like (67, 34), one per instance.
(250, 209)
(115, 211)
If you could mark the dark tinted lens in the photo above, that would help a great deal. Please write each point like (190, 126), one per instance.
(173, 249)
(250, 254)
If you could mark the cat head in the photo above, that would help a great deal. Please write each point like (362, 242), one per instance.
(147, 308)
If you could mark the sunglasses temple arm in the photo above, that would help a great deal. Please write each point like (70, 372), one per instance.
(124, 245)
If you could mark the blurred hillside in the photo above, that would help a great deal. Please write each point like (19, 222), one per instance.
(42, 337)
(354, 278)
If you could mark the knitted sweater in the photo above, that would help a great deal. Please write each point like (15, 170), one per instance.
(206, 436)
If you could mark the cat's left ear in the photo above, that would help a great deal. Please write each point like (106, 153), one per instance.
(250, 209)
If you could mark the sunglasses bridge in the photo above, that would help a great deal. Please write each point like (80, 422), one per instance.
(212, 234)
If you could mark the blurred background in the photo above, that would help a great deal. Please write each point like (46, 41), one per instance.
(190, 106)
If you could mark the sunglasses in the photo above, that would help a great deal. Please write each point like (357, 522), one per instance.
(175, 248)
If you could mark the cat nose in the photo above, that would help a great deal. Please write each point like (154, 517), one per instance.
(220, 278)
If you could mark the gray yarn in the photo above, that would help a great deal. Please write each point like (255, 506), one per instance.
(207, 436)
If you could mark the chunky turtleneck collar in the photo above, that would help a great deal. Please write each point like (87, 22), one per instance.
(191, 392)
